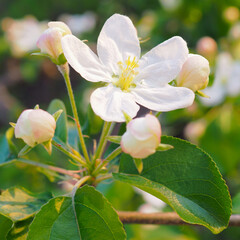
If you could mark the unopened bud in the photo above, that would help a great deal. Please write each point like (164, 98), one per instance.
(142, 136)
(195, 73)
(35, 126)
(50, 41)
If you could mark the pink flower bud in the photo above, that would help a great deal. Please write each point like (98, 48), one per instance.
(194, 74)
(50, 41)
(207, 47)
(142, 136)
(35, 126)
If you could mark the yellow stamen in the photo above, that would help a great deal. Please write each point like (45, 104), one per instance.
(125, 79)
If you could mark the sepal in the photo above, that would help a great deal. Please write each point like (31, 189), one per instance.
(24, 150)
(164, 147)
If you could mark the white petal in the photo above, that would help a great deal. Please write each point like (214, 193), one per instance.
(163, 63)
(164, 99)
(61, 25)
(117, 41)
(110, 102)
(233, 83)
(83, 60)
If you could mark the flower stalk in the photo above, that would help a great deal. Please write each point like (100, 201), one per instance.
(69, 154)
(65, 73)
(52, 168)
(107, 128)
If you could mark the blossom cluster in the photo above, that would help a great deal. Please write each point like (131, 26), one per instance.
(131, 80)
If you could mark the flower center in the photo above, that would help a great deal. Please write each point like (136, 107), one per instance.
(127, 75)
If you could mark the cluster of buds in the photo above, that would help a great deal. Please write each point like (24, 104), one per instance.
(143, 135)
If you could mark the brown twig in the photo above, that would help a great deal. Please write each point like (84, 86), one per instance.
(170, 218)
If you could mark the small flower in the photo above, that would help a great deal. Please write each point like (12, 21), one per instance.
(50, 41)
(35, 126)
(226, 81)
(207, 47)
(142, 136)
(22, 34)
(129, 79)
(195, 73)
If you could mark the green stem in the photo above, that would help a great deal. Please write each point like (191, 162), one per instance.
(110, 157)
(53, 168)
(103, 140)
(98, 180)
(65, 74)
(157, 114)
(113, 154)
(69, 154)
(79, 184)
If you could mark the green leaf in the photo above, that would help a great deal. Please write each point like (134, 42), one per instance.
(4, 150)
(61, 129)
(19, 204)
(236, 204)
(20, 230)
(187, 179)
(88, 215)
(5, 226)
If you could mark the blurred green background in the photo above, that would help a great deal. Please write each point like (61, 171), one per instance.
(213, 124)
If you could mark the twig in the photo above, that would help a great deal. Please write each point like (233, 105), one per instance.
(52, 168)
(170, 218)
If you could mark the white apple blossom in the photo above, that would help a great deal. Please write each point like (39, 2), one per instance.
(35, 126)
(226, 82)
(129, 79)
(142, 136)
(23, 34)
(195, 73)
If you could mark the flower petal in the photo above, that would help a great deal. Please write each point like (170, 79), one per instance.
(117, 41)
(110, 102)
(83, 60)
(164, 99)
(163, 63)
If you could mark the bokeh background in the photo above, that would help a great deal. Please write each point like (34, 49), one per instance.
(210, 27)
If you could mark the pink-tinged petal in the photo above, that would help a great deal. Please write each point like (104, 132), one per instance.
(117, 41)
(50, 42)
(23, 126)
(35, 126)
(164, 99)
(84, 60)
(110, 102)
(144, 127)
(163, 63)
(43, 125)
(137, 148)
(61, 25)
(154, 126)
(194, 73)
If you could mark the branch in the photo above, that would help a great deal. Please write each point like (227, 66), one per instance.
(170, 218)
